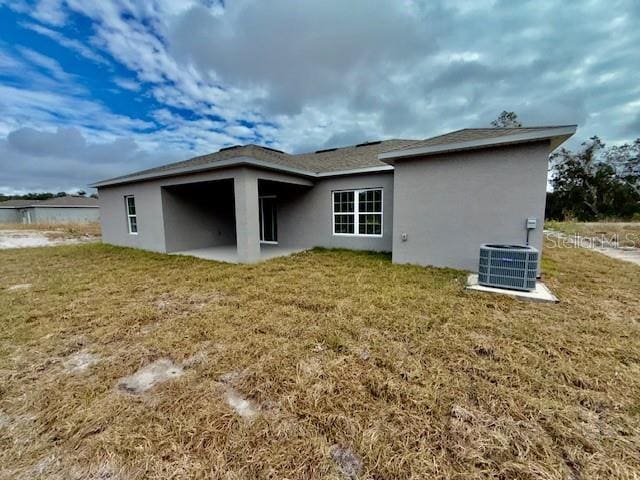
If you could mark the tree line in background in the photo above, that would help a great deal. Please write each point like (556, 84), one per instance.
(44, 196)
(595, 182)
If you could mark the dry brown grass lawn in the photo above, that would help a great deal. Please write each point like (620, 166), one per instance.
(626, 233)
(396, 365)
(56, 231)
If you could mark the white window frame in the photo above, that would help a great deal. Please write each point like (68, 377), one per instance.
(129, 215)
(356, 213)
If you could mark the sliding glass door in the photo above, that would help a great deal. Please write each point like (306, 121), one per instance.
(268, 220)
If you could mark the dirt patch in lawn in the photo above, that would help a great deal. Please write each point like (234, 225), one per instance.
(80, 362)
(349, 464)
(241, 405)
(4, 420)
(35, 238)
(83, 229)
(149, 376)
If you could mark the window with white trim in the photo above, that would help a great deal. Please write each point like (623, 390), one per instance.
(358, 212)
(132, 219)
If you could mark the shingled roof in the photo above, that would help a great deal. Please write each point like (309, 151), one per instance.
(68, 201)
(322, 162)
(472, 134)
(474, 138)
(363, 155)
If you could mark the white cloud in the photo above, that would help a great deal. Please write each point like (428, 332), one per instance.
(50, 11)
(127, 84)
(239, 131)
(75, 45)
(23, 107)
(8, 63)
(46, 63)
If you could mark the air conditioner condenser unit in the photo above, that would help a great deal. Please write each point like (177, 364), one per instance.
(508, 266)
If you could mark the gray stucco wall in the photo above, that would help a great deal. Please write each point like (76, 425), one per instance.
(50, 214)
(149, 206)
(65, 214)
(305, 215)
(10, 215)
(449, 205)
(199, 216)
(170, 218)
(148, 210)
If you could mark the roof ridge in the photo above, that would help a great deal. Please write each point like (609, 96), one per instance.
(263, 147)
(360, 145)
(517, 128)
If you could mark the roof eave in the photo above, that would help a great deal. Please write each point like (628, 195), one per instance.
(231, 162)
(239, 162)
(47, 205)
(63, 206)
(556, 135)
(356, 171)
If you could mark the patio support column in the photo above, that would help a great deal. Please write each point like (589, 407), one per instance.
(245, 186)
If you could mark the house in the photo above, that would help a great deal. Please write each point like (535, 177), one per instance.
(429, 202)
(69, 209)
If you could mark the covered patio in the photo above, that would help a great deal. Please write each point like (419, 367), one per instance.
(234, 219)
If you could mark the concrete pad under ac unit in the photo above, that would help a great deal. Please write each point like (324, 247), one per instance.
(540, 294)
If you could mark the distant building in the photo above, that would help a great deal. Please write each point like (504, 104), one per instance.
(68, 209)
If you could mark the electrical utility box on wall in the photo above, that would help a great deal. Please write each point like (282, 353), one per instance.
(532, 223)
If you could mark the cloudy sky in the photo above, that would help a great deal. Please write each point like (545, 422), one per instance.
(94, 89)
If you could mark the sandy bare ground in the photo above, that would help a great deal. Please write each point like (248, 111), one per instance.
(36, 238)
(627, 254)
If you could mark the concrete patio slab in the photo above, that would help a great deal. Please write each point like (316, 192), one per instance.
(540, 294)
(229, 253)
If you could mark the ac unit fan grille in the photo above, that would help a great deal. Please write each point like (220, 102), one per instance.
(508, 266)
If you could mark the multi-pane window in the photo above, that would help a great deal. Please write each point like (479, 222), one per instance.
(357, 212)
(370, 212)
(343, 212)
(132, 219)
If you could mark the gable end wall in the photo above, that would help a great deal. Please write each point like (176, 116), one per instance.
(448, 205)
